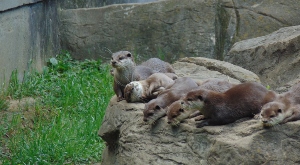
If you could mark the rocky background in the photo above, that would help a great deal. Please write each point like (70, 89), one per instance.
(177, 28)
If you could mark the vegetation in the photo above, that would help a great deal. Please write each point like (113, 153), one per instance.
(61, 126)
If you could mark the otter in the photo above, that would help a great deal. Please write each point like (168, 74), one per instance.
(241, 101)
(144, 90)
(285, 108)
(126, 71)
(178, 111)
(155, 108)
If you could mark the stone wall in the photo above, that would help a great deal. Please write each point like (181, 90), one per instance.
(74, 4)
(172, 28)
(29, 35)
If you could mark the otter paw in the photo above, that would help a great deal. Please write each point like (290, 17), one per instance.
(120, 99)
(201, 124)
(200, 117)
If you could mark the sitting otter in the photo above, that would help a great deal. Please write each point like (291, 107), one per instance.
(285, 108)
(125, 70)
(155, 108)
(177, 111)
(240, 101)
(144, 90)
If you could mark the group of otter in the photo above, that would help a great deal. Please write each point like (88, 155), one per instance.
(212, 102)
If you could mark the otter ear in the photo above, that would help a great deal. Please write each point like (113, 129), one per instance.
(157, 107)
(128, 55)
(181, 110)
(279, 111)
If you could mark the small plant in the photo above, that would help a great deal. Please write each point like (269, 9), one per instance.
(3, 104)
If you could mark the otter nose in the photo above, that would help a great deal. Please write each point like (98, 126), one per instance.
(145, 120)
(113, 62)
(169, 122)
(264, 121)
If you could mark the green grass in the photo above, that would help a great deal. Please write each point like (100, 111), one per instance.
(71, 98)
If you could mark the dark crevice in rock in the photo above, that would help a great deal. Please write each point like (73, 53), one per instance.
(111, 138)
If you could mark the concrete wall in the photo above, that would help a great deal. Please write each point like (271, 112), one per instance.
(28, 35)
(74, 4)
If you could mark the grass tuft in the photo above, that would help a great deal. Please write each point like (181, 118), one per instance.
(61, 126)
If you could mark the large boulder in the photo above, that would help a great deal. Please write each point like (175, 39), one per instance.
(172, 29)
(130, 141)
(274, 57)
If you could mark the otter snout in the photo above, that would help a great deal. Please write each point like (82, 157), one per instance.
(113, 62)
(145, 120)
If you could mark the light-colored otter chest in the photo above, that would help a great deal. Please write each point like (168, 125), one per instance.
(124, 76)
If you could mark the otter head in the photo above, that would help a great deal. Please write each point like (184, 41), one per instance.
(122, 59)
(153, 112)
(272, 114)
(177, 113)
(195, 99)
(133, 92)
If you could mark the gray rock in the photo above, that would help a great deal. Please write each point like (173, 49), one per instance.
(130, 141)
(274, 57)
(172, 29)
(225, 68)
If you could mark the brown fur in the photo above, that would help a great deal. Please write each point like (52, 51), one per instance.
(158, 65)
(285, 108)
(177, 111)
(240, 101)
(155, 109)
(126, 71)
(144, 90)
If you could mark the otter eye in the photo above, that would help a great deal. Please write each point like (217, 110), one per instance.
(128, 55)
(279, 110)
(157, 107)
(181, 110)
(174, 116)
(272, 116)
(150, 114)
(200, 98)
(182, 102)
(121, 58)
(189, 99)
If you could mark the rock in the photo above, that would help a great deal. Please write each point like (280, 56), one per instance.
(176, 28)
(239, 20)
(172, 29)
(222, 67)
(130, 141)
(274, 57)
